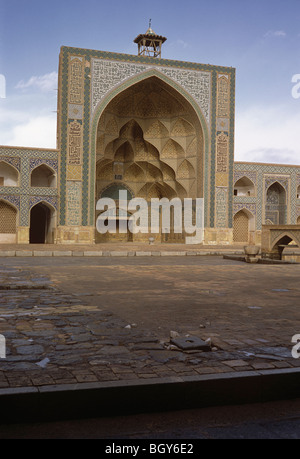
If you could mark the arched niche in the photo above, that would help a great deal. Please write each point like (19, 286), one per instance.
(243, 226)
(148, 115)
(8, 222)
(244, 187)
(43, 176)
(276, 204)
(9, 176)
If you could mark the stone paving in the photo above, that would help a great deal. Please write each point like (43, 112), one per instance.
(53, 337)
(137, 249)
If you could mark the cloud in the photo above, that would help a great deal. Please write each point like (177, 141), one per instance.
(43, 83)
(179, 43)
(268, 135)
(35, 132)
(182, 43)
(275, 33)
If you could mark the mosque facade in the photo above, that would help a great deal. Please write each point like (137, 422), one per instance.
(153, 127)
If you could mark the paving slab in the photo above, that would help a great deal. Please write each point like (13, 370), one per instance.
(7, 253)
(42, 253)
(112, 249)
(109, 320)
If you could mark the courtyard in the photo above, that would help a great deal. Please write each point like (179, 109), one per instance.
(75, 319)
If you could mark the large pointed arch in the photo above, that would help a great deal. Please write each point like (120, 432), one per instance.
(153, 72)
(175, 90)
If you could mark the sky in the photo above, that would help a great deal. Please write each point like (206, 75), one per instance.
(260, 38)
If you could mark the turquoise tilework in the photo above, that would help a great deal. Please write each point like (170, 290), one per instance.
(213, 148)
(263, 176)
(86, 170)
(231, 149)
(88, 202)
(112, 94)
(27, 159)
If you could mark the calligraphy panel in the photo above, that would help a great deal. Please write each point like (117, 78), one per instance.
(74, 203)
(222, 153)
(223, 97)
(76, 81)
(74, 143)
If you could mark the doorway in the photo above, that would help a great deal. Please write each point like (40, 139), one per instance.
(41, 225)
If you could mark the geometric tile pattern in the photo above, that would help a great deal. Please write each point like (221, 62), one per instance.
(251, 175)
(25, 196)
(107, 74)
(74, 172)
(13, 161)
(89, 80)
(263, 176)
(245, 205)
(35, 162)
(104, 74)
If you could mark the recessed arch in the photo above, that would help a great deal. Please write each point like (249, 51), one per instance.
(284, 239)
(146, 110)
(172, 150)
(152, 172)
(124, 153)
(6, 201)
(105, 172)
(185, 170)
(170, 92)
(156, 130)
(153, 72)
(276, 185)
(182, 127)
(244, 187)
(9, 175)
(243, 226)
(43, 176)
(131, 130)
(134, 173)
(8, 222)
(276, 204)
(42, 223)
(112, 191)
(168, 172)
